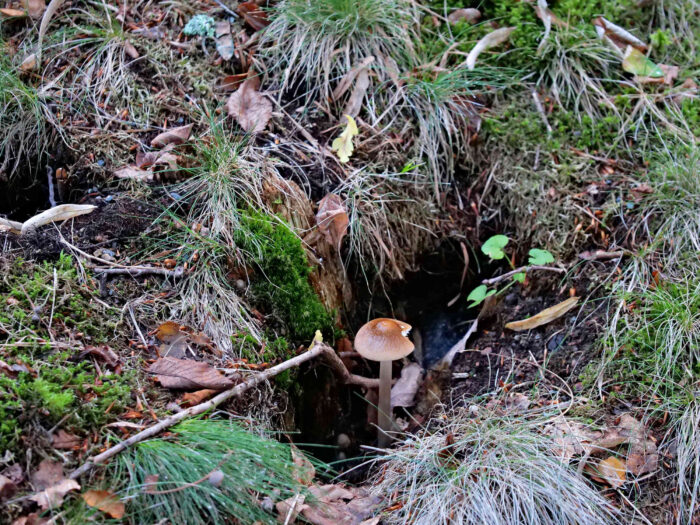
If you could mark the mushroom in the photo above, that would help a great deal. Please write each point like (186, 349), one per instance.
(384, 340)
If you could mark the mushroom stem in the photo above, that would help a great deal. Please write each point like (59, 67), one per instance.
(384, 409)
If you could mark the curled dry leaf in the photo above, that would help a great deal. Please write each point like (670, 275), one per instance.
(106, 501)
(130, 50)
(403, 393)
(188, 375)
(350, 77)
(62, 212)
(332, 219)
(29, 63)
(618, 36)
(249, 107)
(103, 352)
(175, 136)
(224, 40)
(493, 39)
(63, 440)
(670, 75)
(52, 497)
(231, 82)
(545, 316)
(194, 398)
(468, 14)
(354, 105)
(253, 15)
(12, 13)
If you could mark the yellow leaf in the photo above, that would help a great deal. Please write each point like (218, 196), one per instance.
(343, 144)
(613, 471)
(545, 316)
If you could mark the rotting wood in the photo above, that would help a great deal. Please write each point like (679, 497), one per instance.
(152, 431)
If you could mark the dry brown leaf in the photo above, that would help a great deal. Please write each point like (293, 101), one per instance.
(249, 107)
(403, 393)
(188, 375)
(48, 473)
(105, 501)
(231, 82)
(62, 212)
(289, 509)
(253, 15)
(613, 471)
(52, 497)
(336, 504)
(468, 14)
(195, 398)
(545, 316)
(174, 340)
(132, 172)
(35, 8)
(350, 77)
(12, 13)
(357, 96)
(104, 352)
(224, 40)
(175, 136)
(63, 440)
(332, 219)
(7, 488)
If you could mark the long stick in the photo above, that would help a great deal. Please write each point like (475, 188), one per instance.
(495, 280)
(316, 350)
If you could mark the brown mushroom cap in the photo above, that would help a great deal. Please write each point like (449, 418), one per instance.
(383, 339)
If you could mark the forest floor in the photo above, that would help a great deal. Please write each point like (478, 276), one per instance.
(204, 201)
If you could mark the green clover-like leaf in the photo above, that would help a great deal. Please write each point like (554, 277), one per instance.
(478, 294)
(493, 247)
(539, 257)
(519, 277)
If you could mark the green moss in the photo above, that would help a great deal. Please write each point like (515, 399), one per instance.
(283, 284)
(521, 127)
(51, 381)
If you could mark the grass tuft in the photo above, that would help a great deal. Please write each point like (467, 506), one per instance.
(494, 469)
(316, 43)
(253, 467)
(23, 121)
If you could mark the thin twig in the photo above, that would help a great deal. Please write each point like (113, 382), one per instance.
(137, 271)
(500, 278)
(154, 430)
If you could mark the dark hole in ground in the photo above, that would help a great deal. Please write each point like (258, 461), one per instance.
(433, 301)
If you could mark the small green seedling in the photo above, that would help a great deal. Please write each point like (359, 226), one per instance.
(478, 294)
(494, 249)
(539, 257)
